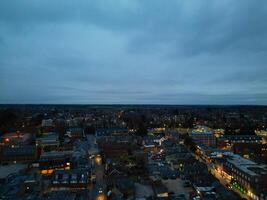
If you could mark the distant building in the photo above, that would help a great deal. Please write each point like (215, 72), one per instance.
(204, 135)
(232, 139)
(262, 133)
(172, 135)
(75, 133)
(103, 132)
(47, 123)
(16, 138)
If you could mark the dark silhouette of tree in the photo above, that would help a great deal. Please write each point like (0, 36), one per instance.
(188, 141)
(8, 118)
(142, 127)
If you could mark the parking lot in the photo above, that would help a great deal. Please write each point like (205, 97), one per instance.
(177, 187)
(142, 191)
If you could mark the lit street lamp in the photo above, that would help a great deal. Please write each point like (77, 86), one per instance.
(98, 160)
(101, 197)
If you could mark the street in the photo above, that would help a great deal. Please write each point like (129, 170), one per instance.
(98, 170)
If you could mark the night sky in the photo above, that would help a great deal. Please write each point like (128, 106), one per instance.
(133, 51)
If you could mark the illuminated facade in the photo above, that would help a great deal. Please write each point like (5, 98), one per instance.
(51, 161)
(204, 135)
(247, 176)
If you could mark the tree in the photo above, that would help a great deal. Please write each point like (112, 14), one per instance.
(142, 126)
(188, 141)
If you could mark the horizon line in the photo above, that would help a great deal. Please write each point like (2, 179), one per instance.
(124, 104)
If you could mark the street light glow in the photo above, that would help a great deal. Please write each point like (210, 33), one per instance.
(101, 197)
(98, 160)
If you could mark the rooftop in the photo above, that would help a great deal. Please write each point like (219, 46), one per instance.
(48, 137)
(201, 130)
(55, 154)
(19, 150)
(11, 169)
(247, 166)
(15, 137)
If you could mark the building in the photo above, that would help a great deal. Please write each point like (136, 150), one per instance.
(16, 138)
(12, 153)
(65, 194)
(114, 147)
(7, 170)
(233, 139)
(47, 123)
(75, 133)
(103, 132)
(204, 135)
(50, 161)
(20, 186)
(262, 133)
(75, 178)
(48, 142)
(247, 176)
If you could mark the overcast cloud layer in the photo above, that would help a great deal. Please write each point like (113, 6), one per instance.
(133, 51)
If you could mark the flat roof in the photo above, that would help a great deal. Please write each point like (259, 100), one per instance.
(55, 154)
(11, 169)
(19, 150)
(49, 137)
(16, 136)
(246, 165)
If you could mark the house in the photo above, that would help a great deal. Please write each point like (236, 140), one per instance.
(14, 153)
(48, 142)
(75, 133)
(74, 178)
(104, 132)
(16, 138)
(50, 161)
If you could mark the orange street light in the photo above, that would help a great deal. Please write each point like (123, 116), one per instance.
(98, 160)
(101, 197)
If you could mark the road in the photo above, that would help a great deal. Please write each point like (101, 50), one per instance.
(98, 170)
(93, 146)
(100, 183)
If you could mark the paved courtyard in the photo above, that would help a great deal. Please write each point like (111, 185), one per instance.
(143, 190)
(177, 187)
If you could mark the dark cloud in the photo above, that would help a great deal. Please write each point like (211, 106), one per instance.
(126, 51)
